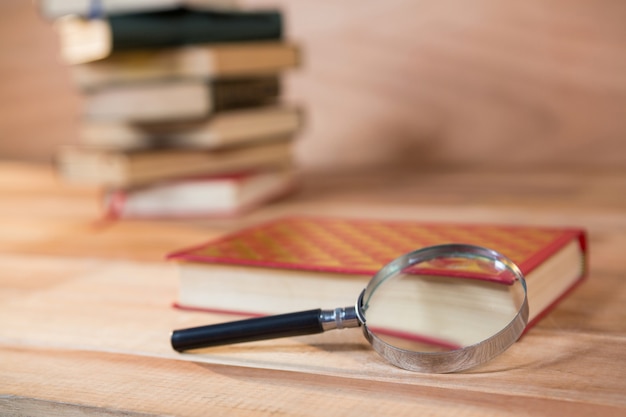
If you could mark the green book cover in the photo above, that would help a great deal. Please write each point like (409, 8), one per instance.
(182, 26)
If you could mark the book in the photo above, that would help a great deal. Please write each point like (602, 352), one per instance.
(226, 195)
(175, 100)
(83, 40)
(53, 9)
(223, 129)
(82, 165)
(300, 263)
(194, 61)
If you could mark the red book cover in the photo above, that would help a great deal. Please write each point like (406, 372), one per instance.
(201, 196)
(363, 246)
(358, 246)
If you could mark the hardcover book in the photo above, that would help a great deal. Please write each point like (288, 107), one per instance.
(211, 61)
(227, 128)
(299, 263)
(177, 100)
(83, 40)
(226, 195)
(129, 169)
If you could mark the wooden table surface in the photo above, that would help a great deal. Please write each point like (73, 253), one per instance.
(85, 308)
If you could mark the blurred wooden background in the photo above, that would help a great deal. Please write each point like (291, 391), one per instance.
(529, 85)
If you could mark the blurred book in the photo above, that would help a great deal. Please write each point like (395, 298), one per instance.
(208, 61)
(224, 129)
(175, 91)
(127, 169)
(83, 40)
(52, 9)
(201, 196)
(178, 99)
(300, 263)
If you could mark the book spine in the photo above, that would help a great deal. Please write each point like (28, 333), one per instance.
(183, 27)
(237, 93)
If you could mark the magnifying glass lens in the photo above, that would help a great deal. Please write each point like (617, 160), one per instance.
(441, 303)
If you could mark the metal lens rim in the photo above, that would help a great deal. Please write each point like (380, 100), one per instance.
(453, 360)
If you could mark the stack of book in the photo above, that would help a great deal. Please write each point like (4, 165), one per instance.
(182, 111)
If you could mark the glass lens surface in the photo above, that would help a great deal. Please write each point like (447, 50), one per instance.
(442, 300)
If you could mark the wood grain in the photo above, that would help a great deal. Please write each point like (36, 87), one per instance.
(191, 389)
(39, 105)
(462, 83)
(394, 83)
(496, 112)
(125, 307)
(86, 311)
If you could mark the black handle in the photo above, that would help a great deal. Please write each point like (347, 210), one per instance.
(271, 327)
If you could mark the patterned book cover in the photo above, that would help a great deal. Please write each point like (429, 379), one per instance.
(363, 246)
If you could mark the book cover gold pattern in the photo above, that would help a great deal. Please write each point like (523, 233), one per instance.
(360, 246)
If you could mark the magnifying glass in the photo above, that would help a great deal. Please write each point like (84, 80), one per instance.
(439, 309)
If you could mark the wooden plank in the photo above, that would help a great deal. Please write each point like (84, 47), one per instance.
(86, 310)
(36, 219)
(106, 384)
(125, 307)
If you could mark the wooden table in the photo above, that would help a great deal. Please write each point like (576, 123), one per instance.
(85, 308)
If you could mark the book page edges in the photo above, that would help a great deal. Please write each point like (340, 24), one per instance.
(53, 9)
(201, 61)
(577, 256)
(307, 289)
(234, 127)
(115, 204)
(83, 40)
(550, 249)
